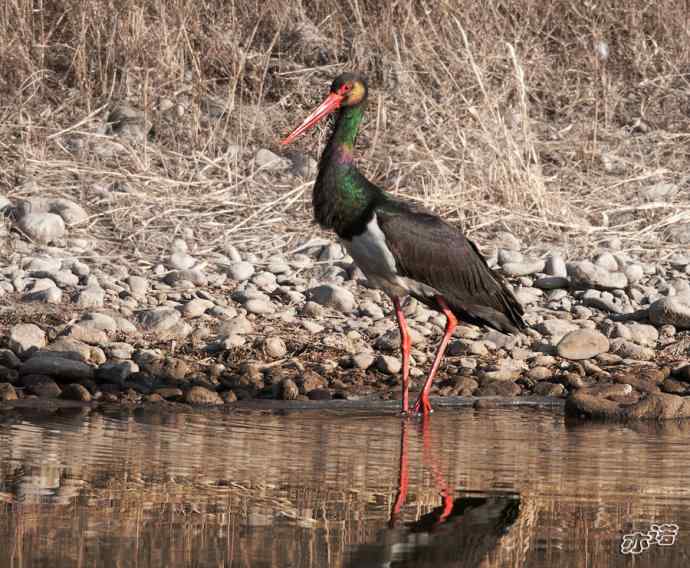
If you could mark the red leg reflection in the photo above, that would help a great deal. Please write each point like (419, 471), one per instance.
(432, 463)
(403, 477)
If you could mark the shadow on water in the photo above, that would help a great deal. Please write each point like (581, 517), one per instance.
(494, 488)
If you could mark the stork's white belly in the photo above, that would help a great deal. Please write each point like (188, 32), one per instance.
(372, 255)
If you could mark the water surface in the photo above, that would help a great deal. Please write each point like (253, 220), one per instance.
(500, 487)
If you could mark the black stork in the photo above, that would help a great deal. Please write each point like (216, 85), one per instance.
(402, 248)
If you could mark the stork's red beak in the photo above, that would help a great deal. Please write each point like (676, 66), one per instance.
(331, 103)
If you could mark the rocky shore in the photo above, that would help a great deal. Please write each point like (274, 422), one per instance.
(609, 333)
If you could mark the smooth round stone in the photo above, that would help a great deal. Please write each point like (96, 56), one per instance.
(138, 286)
(197, 307)
(523, 268)
(259, 306)
(42, 227)
(201, 396)
(240, 271)
(275, 347)
(673, 310)
(25, 337)
(389, 365)
(77, 392)
(555, 266)
(332, 296)
(7, 392)
(582, 344)
(584, 274)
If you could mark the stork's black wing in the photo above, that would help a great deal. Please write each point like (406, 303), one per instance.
(429, 250)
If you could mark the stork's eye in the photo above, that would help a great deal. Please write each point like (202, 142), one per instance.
(344, 89)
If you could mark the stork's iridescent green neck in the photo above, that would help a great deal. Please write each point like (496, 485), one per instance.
(343, 197)
(340, 147)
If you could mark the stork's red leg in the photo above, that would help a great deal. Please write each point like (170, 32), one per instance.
(423, 405)
(405, 346)
(403, 478)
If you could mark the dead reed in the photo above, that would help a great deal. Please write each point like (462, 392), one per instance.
(553, 119)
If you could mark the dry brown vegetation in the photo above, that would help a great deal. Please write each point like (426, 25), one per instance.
(549, 118)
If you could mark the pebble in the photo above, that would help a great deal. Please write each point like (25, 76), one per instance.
(42, 227)
(259, 306)
(197, 307)
(288, 390)
(180, 278)
(138, 286)
(158, 320)
(115, 372)
(584, 274)
(332, 296)
(240, 271)
(201, 396)
(540, 373)
(555, 266)
(523, 268)
(389, 365)
(275, 347)
(99, 321)
(556, 328)
(92, 296)
(91, 335)
(673, 310)
(267, 160)
(52, 295)
(363, 360)
(7, 392)
(75, 391)
(629, 350)
(582, 344)
(25, 338)
(551, 282)
(41, 385)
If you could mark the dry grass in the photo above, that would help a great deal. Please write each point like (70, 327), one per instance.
(541, 117)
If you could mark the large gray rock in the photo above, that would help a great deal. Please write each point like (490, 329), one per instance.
(56, 366)
(584, 274)
(26, 337)
(582, 344)
(332, 296)
(674, 310)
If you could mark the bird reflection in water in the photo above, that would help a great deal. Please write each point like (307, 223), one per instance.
(461, 531)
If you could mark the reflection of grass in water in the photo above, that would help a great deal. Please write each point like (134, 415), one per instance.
(305, 488)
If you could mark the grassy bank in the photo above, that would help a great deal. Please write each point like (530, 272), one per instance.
(555, 119)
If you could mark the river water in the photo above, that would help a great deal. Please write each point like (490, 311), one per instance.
(319, 488)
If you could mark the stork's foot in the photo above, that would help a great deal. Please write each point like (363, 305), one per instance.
(423, 406)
